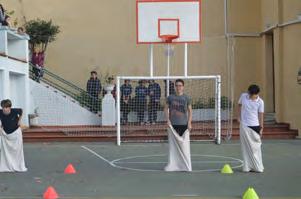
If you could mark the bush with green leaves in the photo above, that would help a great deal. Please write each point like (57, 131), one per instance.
(210, 103)
(41, 33)
(225, 102)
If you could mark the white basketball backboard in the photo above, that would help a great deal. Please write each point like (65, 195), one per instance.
(157, 18)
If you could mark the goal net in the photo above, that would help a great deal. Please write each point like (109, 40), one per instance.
(141, 100)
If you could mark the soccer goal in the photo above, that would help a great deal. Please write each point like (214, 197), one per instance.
(140, 107)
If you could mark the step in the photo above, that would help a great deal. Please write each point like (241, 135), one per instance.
(138, 133)
(141, 137)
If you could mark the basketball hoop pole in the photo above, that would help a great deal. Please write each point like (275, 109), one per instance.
(151, 59)
(186, 60)
(168, 69)
(168, 40)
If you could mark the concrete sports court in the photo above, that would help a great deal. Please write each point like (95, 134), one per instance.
(219, 47)
(135, 170)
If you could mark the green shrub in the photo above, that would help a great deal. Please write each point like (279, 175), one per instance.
(210, 103)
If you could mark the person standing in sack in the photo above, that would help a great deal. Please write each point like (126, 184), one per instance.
(250, 117)
(11, 140)
(178, 111)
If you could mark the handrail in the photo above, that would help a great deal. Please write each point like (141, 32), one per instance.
(69, 89)
(57, 86)
(60, 79)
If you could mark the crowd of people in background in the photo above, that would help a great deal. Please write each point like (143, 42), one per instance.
(146, 96)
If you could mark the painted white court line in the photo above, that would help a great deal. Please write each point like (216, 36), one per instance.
(19, 197)
(199, 162)
(186, 195)
(114, 163)
(129, 145)
(160, 144)
(97, 155)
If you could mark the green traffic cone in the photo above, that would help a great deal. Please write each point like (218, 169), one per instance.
(247, 191)
(250, 194)
(227, 169)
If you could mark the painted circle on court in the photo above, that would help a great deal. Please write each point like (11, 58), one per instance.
(145, 163)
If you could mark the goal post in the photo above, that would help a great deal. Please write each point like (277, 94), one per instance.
(135, 117)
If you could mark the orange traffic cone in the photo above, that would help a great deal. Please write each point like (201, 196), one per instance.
(50, 193)
(70, 169)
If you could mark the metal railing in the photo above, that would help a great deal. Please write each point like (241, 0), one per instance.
(67, 88)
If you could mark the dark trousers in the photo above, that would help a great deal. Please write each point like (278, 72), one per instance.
(125, 108)
(153, 111)
(180, 129)
(94, 103)
(140, 110)
(37, 73)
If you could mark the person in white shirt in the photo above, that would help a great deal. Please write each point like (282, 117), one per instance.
(250, 117)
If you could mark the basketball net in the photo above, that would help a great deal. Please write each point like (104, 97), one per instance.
(169, 47)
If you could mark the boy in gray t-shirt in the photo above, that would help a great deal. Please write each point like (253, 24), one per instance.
(178, 109)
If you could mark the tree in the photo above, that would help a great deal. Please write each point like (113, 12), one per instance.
(41, 33)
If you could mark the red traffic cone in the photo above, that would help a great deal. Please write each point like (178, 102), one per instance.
(70, 169)
(50, 193)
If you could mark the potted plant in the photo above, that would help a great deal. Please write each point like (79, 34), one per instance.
(41, 33)
(34, 118)
(109, 83)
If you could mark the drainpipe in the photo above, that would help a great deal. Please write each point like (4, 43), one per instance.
(226, 17)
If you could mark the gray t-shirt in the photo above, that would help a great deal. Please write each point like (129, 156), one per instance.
(178, 108)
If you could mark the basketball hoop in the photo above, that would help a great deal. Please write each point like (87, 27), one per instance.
(168, 38)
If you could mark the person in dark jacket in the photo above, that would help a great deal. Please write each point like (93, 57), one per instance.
(126, 92)
(2, 14)
(140, 99)
(94, 89)
(6, 21)
(154, 92)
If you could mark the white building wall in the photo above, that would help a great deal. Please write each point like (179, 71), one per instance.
(14, 70)
(54, 109)
(3, 39)
(1, 84)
